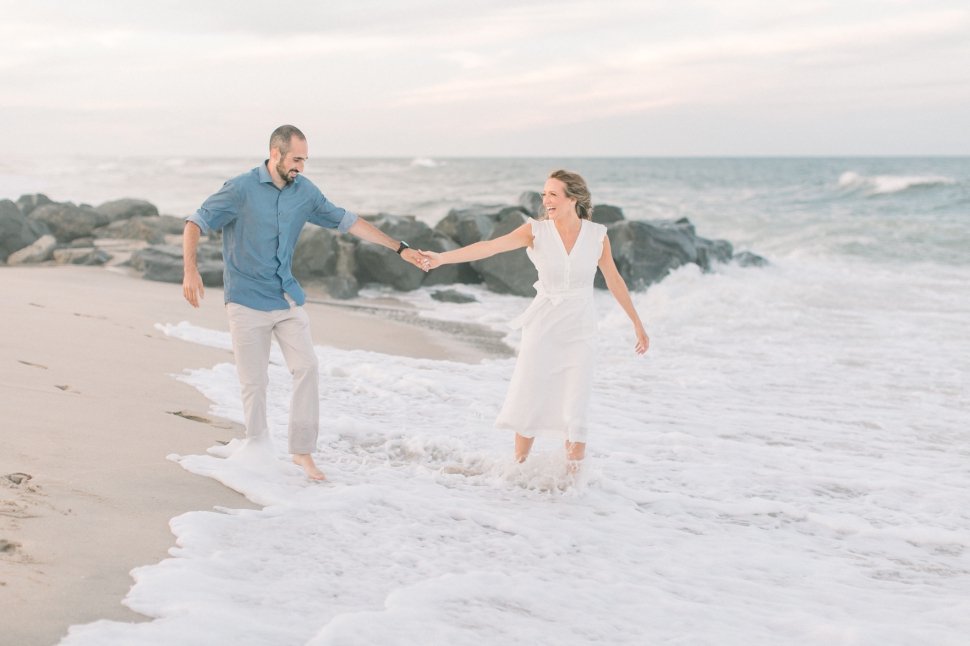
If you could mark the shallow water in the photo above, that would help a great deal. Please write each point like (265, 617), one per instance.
(787, 465)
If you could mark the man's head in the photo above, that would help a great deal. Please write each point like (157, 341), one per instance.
(287, 152)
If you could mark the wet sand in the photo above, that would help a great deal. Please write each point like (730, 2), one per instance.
(91, 409)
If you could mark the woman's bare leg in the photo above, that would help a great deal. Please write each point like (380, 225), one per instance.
(575, 452)
(522, 447)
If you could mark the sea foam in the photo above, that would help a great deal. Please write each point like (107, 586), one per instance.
(787, 465)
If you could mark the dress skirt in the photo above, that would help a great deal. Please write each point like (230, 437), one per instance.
(551, 382)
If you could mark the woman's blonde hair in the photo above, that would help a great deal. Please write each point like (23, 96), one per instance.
(576, 189)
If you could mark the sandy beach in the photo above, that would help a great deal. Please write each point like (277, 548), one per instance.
(92, 408)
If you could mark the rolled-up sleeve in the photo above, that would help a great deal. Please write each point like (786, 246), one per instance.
(330, 216)
(218, 210)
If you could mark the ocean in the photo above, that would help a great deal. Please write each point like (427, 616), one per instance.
(787, 465)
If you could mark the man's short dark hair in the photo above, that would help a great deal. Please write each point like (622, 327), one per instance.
(281, 138)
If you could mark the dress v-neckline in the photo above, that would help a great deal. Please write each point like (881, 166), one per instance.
(562, 243)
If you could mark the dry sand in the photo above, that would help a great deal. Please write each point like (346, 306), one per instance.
(89, 409)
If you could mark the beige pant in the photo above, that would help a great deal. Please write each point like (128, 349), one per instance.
(252, 332)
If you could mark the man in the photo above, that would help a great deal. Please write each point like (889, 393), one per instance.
(261, 214)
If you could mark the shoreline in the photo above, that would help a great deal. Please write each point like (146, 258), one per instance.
(93, 409)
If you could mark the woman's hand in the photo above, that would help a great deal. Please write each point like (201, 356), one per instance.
(432, 260)
(416, 258)
(643, 341)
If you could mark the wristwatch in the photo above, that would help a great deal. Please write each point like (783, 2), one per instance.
(402, 247)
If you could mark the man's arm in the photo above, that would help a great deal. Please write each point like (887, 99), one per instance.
(368, 232)
(192, 287)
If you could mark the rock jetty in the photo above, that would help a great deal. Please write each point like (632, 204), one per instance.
(132, 233)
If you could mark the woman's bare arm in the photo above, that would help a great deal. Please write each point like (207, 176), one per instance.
(520, 237)
(617, 287)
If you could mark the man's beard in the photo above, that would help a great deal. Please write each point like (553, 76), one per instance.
(281, 170)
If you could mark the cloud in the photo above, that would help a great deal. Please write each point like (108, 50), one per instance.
(450, 69)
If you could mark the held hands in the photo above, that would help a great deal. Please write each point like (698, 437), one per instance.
(423, 260)
(433, 259)
(419, 259)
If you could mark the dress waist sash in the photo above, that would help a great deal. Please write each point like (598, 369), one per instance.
(552, 297)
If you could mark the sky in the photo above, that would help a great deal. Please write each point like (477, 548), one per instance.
(444, 78)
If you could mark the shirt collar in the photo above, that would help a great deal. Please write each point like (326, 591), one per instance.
(264, 176)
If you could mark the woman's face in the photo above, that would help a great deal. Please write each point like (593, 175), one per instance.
(555, 202)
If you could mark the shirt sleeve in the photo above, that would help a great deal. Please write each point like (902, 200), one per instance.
(218, 210)
(330, 216)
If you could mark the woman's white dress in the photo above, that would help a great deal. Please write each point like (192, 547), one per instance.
(550, 386)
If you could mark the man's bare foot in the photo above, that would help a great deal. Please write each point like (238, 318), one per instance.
(305, 461)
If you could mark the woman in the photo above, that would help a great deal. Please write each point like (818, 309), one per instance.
(552, 379)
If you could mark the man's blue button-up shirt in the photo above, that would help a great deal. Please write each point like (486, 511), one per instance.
(260, 227)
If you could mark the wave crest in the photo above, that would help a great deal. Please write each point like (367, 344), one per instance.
(425, 162)
(889, 184)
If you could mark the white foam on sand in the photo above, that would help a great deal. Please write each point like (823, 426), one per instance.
(788, 466)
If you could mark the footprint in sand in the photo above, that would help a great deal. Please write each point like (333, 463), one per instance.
(18, 477)
(198, 417)
(32, 365)
(8, 547)
(190, 416)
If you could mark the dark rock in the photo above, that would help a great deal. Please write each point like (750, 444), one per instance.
(15, 229)
(39, 228)
(326, 258)
(67, 221)
(341, 286)
(163, 263)
(81, 256)
(28, 203)
(711, 251)
(645, 252)
(452, 296)
(469, 225)
(449, 274)
(41, 250)
(748, 259)
(606, 214)
(531, 203)
(511, 272)
(707, 251)
(151, 229)
(126, 208)
(382, 265)
(316, 253)
(684, 225)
